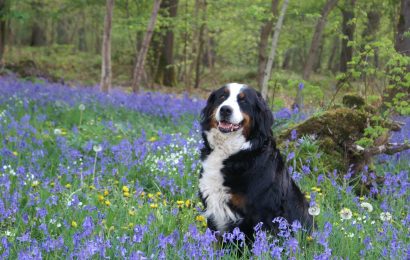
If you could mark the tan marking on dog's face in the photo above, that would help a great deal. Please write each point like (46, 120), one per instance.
(214, 123)
(246, 124)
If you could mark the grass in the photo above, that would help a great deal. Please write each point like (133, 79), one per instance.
(61, 196)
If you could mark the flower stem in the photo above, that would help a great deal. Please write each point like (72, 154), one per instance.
(95, 163)
(81, 117)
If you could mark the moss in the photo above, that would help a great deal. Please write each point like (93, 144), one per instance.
(353, 101)
(335, 130)
(339, 124)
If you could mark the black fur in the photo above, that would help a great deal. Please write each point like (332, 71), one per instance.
(258, 174)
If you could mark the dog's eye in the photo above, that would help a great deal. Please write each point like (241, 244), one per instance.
(241, 97)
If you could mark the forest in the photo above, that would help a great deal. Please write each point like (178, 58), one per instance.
(100, 106)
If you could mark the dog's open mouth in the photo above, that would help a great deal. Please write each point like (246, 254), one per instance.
(227, 127)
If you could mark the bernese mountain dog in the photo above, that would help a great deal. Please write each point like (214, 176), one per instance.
(244, 180)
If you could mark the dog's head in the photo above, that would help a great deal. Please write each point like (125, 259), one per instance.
(237, 107)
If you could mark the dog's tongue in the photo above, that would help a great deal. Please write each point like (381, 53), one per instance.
(228, 127)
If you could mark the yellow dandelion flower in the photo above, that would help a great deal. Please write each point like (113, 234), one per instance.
(150, 195)
(153, 205)
(107, 203)
(362, 198)
(131, 225)
(164, 202)
(187, 203)
(131, 212)
(153, 139)
(68, 185)
(106, 192)
(116, 182)
(125, 189)
(126, 194)
(307, 196)
(100, 197)
(158, 194)
(91, 187)
(52, 184)
(143, 194)
(200, 218)
(180, 202)
(74, 224)
(15, 153)
(309, 238)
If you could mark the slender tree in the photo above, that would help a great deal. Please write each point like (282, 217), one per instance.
(348, 28)
(402, 43)
(265, 32)
(3, 28)
(200, 43)
(38, 34)
(402, 46)
(313, 54)
(166, 74)
(139, 63)
(106, 73)
(268, 68)
(332, 64)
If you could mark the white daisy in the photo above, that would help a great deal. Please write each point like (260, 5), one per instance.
(97, 148)
(314, 210)
(385, 216)
(345, 214)
(367, 206)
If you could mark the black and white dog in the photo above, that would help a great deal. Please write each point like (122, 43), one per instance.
(244, 180)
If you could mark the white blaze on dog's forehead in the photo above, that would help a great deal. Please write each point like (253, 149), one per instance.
(232, 101)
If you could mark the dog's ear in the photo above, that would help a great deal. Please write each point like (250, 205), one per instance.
(207, 111)
(264, 116)
(261, 124)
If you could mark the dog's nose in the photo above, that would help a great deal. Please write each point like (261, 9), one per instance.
(225, 111)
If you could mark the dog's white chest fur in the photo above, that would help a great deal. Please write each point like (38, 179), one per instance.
(211, 183)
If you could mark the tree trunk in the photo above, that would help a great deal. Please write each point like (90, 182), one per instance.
(82, 43)
(139, 63)
(348, 28)
(369, 33)
(318, 62)
(200, 45)
(402, 44)
(335, 48)
(266, 31)
(287, 59)
(38, 35)
(106, 73)
(268, 68)
(3, 29)
(317, 39)
(62, 34)
(166, 74)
